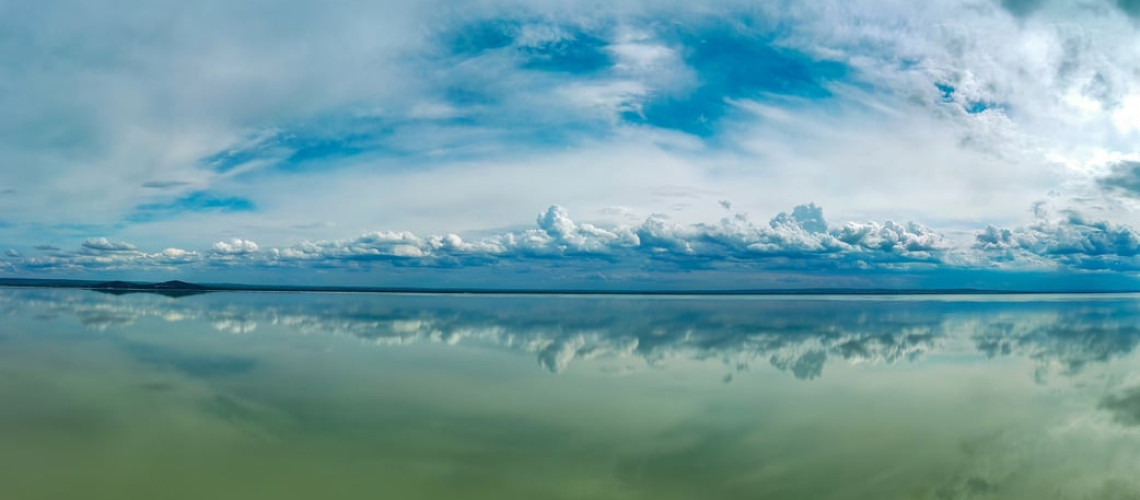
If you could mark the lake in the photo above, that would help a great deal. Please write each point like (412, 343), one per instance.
(339, 395)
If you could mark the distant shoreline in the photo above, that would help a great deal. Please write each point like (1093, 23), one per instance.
(183, 288)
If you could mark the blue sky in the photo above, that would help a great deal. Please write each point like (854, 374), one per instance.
(544, 143)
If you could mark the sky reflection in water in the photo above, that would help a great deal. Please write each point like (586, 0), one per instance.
(240, 395)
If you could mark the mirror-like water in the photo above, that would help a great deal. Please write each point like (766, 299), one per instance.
(250, 396)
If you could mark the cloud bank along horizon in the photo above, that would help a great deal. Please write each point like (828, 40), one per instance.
(386, 143)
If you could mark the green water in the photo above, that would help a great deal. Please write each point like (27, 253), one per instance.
(278, 396)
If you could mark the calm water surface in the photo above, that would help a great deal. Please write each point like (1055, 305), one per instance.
(278, 396)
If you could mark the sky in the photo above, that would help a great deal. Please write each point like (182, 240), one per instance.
(554, 144)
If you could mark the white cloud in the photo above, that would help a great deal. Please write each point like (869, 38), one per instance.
(800, 239)
(1070, 240)
(236, 246)
(607, 98)
(470, 142)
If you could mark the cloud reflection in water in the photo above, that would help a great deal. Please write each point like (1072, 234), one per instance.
(799, 336)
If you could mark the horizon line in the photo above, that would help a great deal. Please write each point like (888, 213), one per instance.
(182, 286)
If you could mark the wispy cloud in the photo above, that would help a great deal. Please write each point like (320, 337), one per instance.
(164, 184)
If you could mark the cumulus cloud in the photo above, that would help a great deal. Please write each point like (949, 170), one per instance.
(100, 254)
(798, 239)
(1070, 240)
(801, 240)
(236, 246)
(171, 256)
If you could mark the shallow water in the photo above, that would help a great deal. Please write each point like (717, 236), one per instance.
(269, 395)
